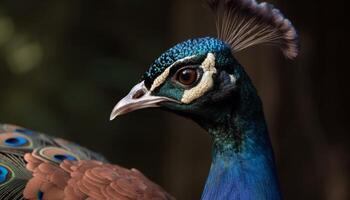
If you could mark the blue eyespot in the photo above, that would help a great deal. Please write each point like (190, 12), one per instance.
(25, 131)
(3, 174)
(16, 141)
(61, 157)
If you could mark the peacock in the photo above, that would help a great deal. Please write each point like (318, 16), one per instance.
(198, 79)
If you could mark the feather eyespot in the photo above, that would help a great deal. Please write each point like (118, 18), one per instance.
(4, 172)
(15, 141)
(54, 154)
(16, 137)
(187, 76)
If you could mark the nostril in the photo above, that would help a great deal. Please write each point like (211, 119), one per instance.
(138, 94)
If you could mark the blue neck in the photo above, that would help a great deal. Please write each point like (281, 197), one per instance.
(245, 169)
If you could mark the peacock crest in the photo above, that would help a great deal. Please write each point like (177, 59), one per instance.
(246, 23)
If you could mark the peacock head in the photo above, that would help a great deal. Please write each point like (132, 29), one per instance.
(200, 78)
(186, 79)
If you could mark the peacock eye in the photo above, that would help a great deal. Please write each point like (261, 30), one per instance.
(187, 76)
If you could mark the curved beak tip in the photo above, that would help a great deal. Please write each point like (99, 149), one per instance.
(112, 116)
(118, 110)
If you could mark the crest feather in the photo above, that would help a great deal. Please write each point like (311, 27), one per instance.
(246, 23)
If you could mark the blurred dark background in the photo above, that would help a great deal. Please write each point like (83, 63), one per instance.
(64, 64)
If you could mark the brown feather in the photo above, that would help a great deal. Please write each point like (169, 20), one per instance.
(88, 179)
(48, 178)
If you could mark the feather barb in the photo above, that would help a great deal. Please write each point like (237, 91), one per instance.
(246, 23)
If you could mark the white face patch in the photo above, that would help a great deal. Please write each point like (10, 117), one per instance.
(160, 79)
(205, 84)
(163, 76)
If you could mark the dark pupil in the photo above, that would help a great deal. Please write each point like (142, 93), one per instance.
(187, 76)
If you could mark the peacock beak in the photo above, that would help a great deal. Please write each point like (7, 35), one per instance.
(138, 98)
